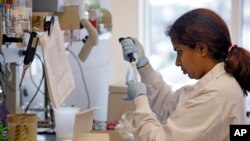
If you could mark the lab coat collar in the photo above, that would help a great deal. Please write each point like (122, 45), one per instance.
(214, 73)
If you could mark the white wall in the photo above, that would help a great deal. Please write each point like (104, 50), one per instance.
(125, 21)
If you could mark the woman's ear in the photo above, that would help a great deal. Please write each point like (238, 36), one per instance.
(202, 48)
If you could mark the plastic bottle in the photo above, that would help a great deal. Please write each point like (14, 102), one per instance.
(2, 13)
(19, 3)
(7, 18)
(94, 10)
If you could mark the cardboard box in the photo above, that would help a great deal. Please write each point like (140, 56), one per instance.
(113, 135)
(116, 105)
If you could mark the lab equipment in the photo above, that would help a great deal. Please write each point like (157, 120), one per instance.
(8, 40)
(2, 15)
(91, 41)
(48, 25)
(22, 127)
(29, 54)
(130, 55)
(131, 58)
(48, 5)
(64, 122)
(132, 45)
(124, 127)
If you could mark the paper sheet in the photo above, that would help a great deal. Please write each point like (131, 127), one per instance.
(60, 81)
(83, 122)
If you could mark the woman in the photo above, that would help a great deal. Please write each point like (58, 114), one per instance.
(205, 110)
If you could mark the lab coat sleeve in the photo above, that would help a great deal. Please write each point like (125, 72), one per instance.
(199, 119)
(159, 93)
(144, 112)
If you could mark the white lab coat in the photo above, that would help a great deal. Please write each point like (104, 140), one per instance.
(202, 112)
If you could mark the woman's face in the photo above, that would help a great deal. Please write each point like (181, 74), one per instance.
(191, 60)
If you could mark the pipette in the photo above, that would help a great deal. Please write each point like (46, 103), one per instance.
(132, 61)
(29, 54)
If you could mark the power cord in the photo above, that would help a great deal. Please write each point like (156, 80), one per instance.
(32, 79)
(82, 74)
(39, 86)
(3, 75)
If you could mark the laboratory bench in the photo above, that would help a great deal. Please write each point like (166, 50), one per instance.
(46, 134)
(46, 137)
(113, 136)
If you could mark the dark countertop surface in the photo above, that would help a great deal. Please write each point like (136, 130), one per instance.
(46, 137)
(46, 134)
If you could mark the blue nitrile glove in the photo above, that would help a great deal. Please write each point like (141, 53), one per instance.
(135, 89)
(132, 45)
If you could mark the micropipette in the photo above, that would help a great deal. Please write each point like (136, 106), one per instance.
(29, 54)
(132, 61)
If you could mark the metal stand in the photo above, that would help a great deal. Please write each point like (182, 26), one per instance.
(11, 88)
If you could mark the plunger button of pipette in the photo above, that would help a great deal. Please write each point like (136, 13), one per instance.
(120, 39)
(131, 57)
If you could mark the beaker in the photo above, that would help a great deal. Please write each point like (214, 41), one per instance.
(64, 122)
(22, 127)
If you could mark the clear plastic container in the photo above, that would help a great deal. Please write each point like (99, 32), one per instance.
(64, 122)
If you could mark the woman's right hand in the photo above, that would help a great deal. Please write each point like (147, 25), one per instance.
(132, 45)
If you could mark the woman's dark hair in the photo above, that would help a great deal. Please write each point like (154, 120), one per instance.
(205, 26)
